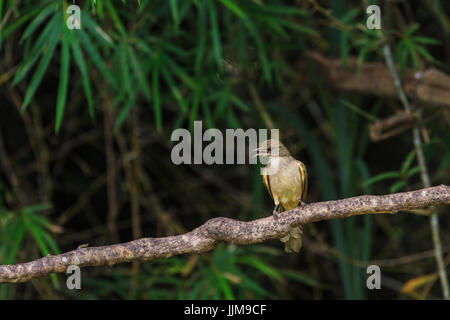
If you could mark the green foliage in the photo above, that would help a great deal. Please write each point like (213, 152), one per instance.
(28, 222)
(158, 57)
(401, 177)
(412, 47)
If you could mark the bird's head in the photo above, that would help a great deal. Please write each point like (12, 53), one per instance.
(272, 148)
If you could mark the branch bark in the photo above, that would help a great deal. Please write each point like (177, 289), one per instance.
(429, 87)
(208, 235)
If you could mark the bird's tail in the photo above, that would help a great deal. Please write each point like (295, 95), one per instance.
(293, 240)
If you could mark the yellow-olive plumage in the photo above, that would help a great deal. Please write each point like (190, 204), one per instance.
(286, 180)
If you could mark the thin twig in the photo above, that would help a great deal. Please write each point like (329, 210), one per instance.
(110, 169)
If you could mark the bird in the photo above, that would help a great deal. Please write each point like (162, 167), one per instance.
(286, 180)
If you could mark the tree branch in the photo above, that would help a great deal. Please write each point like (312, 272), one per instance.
(429, 87)
(208, 235)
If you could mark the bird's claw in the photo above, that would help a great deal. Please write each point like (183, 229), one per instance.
(276, 215)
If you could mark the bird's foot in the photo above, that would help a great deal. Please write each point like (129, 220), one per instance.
(302, 203)
(275, 214)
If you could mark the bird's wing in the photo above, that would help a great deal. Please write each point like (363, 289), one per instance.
(267, 182)
(304, 178)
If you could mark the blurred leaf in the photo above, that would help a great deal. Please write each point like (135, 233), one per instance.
(47, 55)
(37, 21)
(63, 80)
(304, 279)
(125, 88)
(49, 32)
(173, 89)
(115, 17)
(96, 58)
(79, 60)
(215, 33)
(397, 186)
(137, 68)
(156, 94)
(223, 285)
(382, 176)
(412, 285)
(174, 11)
(261, 266)
(235, 8)
(409, 159)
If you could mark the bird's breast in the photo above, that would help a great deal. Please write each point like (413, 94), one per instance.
(286, 183)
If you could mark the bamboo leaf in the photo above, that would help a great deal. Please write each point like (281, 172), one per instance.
(156, 98)
(409, 159)
(79, 60)
(235, 8)
(37, 21)
(42, 67)
(201, 37)
(397, 186)
(382, 176)
(174, 11)
(45, 36)
(63, 80)
(174, 89)
(96, 58)
(137, 68)
(215, 33)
